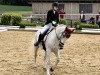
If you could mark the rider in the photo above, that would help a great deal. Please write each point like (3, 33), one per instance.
(52, 20)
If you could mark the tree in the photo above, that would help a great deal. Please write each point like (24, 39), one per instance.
(14, 2)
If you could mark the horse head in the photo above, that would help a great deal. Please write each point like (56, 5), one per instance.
(68, 32)
(63, 33)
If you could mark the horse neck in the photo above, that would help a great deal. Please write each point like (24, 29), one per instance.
(60, 29)
(55, 34)
(57, 31)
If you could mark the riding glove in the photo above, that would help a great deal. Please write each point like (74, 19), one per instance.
(54, 23)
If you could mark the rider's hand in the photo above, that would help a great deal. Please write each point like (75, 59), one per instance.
(54, 23)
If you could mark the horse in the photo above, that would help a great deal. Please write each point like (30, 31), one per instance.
(53, 41)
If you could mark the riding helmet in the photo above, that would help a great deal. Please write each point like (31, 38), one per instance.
(55, 4)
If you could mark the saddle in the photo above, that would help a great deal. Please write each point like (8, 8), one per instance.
(45, 37)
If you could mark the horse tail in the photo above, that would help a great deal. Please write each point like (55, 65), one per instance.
(35, 52)
(36, 47)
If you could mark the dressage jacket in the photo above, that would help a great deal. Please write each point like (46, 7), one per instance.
(51, 16)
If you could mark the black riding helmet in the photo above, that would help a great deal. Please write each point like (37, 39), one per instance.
(55, 4)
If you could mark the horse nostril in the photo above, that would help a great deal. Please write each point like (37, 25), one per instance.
(61, 47)
(62, 43)
(67, 36)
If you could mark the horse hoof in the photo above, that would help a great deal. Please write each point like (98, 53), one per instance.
(44, 69)
(51, 69)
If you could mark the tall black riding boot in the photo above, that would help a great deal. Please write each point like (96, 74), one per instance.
(39, 40)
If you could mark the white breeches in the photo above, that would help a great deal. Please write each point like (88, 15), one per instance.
(45, 28)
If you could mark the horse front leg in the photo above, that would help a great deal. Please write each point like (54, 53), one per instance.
(57, 53)
(47, 62)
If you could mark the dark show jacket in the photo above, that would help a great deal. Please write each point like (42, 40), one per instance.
(52, 17)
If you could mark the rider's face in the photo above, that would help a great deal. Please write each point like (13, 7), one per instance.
(55, 8)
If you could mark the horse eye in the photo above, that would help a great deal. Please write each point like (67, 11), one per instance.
(64, 34)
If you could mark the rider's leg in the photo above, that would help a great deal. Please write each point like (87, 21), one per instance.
(39, 40)
(42, 34)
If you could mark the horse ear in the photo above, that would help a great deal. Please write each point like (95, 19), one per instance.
(69, 30)
(72, 30)
(66, 28)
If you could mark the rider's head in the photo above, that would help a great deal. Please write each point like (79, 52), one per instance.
(55, 6)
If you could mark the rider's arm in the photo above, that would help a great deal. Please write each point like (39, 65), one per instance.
(54, 23)
(49, 20)
(57, 17)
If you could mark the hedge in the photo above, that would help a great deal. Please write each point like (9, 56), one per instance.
(23, 24)
(11, 19)
(63, 21)
(16, 19)
(84, 25)
(5, 19)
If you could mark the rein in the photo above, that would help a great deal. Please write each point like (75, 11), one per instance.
(59, 39)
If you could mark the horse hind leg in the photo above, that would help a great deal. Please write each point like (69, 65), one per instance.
(47, 62)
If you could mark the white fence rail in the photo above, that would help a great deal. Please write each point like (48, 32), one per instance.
(66, 16)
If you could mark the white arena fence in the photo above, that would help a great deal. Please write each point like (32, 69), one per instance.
(66, 16)
(70, 18)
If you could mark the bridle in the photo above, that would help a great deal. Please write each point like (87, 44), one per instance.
(59, 38)
(66, 33)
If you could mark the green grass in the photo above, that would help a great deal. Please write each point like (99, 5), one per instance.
(15, 9)
(18, 12)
